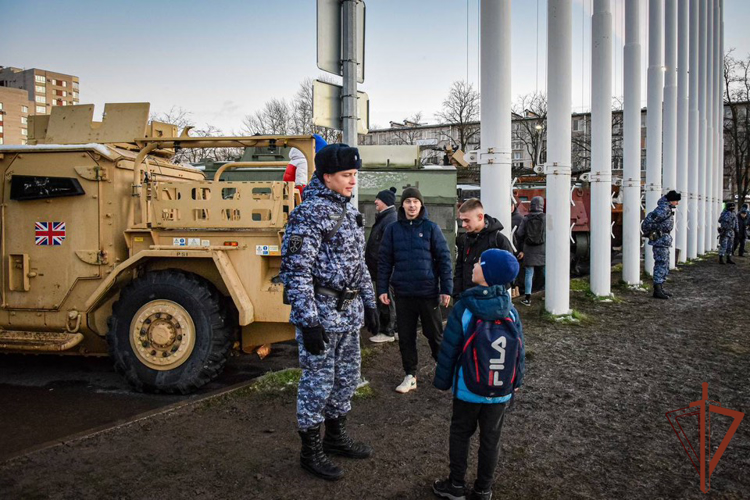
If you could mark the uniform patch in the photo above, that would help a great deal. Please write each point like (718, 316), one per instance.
(49, 233)
(295, 243)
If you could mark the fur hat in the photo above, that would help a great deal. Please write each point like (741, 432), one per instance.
(387, 196)
(411, 192)
(498, 266)
(336, 158)
(673, 196)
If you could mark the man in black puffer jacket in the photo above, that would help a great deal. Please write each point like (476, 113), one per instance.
(415, 259)
(384, 202)
(482, 233)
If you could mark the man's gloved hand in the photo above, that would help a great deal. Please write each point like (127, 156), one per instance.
(314, 339)
(372, 320)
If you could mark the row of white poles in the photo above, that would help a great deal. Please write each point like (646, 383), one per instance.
(685, 84)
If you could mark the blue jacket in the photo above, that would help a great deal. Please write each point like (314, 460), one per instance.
(487, 303)
(663, 220)
(414, 257)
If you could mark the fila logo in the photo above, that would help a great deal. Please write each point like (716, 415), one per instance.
(497, 363)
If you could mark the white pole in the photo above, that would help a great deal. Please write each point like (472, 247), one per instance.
(495, 139)
(601, 148)
(349, 90)
(557, 168)
(720, 173)
(682, 128)
(718, 113)
(702, 130)
(654, 112)
(631, 146)
(710, 164)
(669, 178)
(693, 126)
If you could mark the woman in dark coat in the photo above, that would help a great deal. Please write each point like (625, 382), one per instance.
(531, 236)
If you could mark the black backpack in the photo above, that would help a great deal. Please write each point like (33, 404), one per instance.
(535, 231)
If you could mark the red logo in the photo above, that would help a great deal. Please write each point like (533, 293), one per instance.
(703, 408)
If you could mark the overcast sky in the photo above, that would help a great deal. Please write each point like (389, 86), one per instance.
(223, 59)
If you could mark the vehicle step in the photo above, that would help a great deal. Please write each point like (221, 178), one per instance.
(39, 341)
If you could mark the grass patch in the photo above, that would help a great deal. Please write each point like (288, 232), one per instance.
(368, 353)
(579, 285)
(364, 392)
(574, 318)
(277, 382)
(617, 268)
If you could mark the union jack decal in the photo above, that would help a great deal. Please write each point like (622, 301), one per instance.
(49, 233)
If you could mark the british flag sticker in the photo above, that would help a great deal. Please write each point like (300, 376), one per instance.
(49, 233)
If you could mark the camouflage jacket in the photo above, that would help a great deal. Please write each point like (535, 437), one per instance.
(662, 220)
(307, 261)
(728, 225)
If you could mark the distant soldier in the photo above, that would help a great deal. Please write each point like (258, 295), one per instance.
(743, 221)
(657, 226)
(728, 227)
(327, 283)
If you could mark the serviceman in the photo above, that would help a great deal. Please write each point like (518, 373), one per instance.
(329, 288)
(728, 227)
(659, 224)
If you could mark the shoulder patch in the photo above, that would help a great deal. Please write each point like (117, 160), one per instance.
(295, 243)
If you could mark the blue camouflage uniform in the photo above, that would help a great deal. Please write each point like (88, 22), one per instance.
(728, 227)
(328, 379)
(662, 221)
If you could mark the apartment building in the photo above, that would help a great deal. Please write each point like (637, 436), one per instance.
(45, 88)
(15, 109)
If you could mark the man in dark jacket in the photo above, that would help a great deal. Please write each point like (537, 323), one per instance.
(415, 259)
(384, 203)
(532, 242)
(743, 221)
(515, 220)
(657, 226)
(482, 233)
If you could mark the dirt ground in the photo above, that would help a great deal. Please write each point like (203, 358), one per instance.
(589, 422)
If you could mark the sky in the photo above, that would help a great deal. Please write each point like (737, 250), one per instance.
(222, 60)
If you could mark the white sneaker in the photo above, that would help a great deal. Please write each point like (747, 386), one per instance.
(409, 384)
(382, 337)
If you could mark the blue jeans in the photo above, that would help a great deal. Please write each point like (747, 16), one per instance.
(529, 278)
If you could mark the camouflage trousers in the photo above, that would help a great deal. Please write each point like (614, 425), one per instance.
(661, 264)
(328, 379)
(725, 244)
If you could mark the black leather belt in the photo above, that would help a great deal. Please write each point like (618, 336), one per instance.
(330, 292)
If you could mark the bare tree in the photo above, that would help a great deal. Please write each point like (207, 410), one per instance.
(530, 128)
(181, 118)
(461, 109)
(581, 139)
(275, 118)
(410, 133)
(737, 123)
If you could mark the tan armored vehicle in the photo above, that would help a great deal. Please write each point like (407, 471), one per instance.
(108, 248)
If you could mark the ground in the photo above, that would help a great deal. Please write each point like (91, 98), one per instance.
(588, 423)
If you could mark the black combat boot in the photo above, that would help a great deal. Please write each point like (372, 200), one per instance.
(721, 259)
(314, 460)
(729, 260)
(659, 292)
(338, 442)
(665, 291)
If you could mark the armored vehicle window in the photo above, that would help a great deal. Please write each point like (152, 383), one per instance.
(28, 187)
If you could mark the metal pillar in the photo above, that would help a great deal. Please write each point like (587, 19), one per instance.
(669, 176)
(349, 91)
(557, 168)
(631, 146)
(718, 122)
(710, 102)
(495, 139)
(601, 148)
(702, 129)
(693, 125)
(654, 112)
(720, 173)
(682, 129)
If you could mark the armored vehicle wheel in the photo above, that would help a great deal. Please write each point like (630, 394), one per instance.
(169, 332)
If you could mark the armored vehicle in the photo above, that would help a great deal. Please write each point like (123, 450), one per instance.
(109, 248)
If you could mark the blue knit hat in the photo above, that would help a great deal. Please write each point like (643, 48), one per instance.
(320, 143)
(498, 266)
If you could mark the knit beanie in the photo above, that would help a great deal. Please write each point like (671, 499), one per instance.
(387, 196)
(336, 158)
(498, 266)
(320, 143)
(411, 192)
(673, 196)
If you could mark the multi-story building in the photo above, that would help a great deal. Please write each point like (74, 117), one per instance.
(15, 109)
(45, 88)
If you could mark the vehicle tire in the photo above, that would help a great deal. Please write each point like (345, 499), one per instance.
(169, 332)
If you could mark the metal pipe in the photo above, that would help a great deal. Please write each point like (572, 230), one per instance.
(718, 114)
(669, 177)
(631, 146)
(720, 173)
(138, 200)
(495, 88)
(702, 46)
(693, 125)
(349, 90)
(710, 103)
(682, 129)
(601, 148)
(654, 113)
(557, 167)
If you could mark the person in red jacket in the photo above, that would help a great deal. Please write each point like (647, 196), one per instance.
(296, 171)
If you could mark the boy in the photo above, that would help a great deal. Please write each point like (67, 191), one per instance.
(488, 302)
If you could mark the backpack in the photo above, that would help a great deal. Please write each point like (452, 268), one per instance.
(535, 231)
(490, 358)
